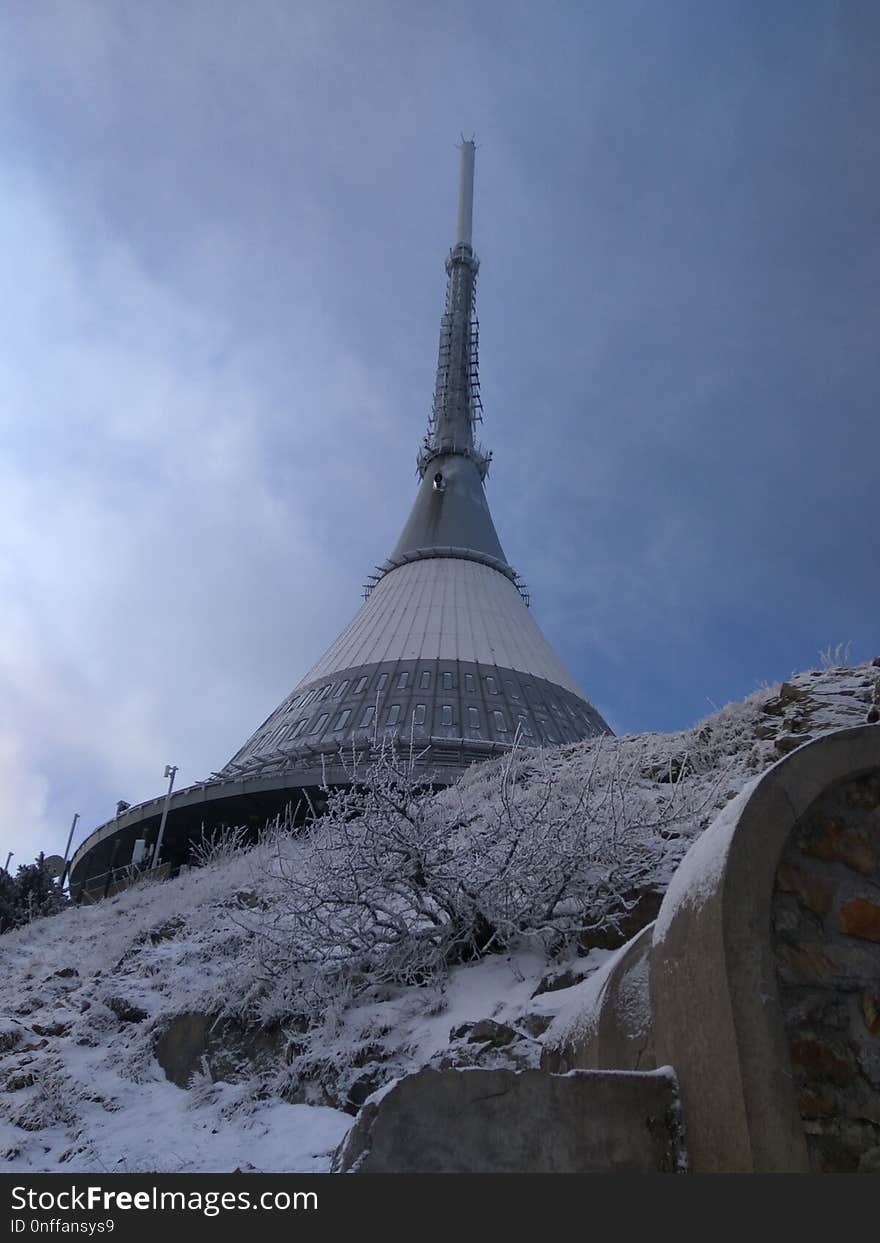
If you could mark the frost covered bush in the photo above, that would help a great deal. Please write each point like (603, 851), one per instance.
(48, 1104)
(395, 884)
(219, 845)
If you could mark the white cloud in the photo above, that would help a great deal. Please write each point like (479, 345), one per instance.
(152, 555)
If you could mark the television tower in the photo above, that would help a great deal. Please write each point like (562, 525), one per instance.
(443, 651)
(444, 646)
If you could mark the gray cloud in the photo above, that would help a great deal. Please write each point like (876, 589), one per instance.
(224, 230)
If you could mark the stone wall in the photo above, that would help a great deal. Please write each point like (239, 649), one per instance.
(826, 928)
(765, 967)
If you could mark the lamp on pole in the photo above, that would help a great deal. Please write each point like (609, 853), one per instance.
(170, 770)
(8, 857)
(67, 850)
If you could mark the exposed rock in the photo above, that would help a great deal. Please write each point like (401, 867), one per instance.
(362, 1088)
(11, 1035)
(489, 1045)
(836, 842)
(820, 1061)
(18, 1079)
(554, 980)
(126, 1011)
(861, 918)
(484, 1031)
(849, 964)
(502, 1121)
(790, 742)
(813, 891)
(56, 1028)
(534, 1025)
(807, 961)
(788, 695)
(181, 1047)
(195, 1042)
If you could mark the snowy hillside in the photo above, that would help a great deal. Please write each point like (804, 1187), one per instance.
(285, 983)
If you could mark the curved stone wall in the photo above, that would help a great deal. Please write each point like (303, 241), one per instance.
(826, 934)
(765, 968)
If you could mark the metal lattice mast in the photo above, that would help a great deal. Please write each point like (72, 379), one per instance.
(457, 406)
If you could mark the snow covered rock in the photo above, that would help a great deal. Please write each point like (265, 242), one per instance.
(507, 1122)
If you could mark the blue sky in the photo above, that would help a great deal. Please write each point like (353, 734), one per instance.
(225, 227)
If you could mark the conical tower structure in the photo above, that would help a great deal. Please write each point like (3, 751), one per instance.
(444, 648)
(443, 652)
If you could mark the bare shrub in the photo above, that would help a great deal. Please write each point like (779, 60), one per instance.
(836, 657)
(219, 845)
(391, 887)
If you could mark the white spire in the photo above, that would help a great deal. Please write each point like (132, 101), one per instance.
(464, 227)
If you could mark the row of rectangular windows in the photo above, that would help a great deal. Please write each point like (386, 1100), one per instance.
(447, 682)
(393, 718)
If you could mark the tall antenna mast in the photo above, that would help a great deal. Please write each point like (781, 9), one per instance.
(457, 406)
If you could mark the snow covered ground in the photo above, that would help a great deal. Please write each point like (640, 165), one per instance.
(86, 995)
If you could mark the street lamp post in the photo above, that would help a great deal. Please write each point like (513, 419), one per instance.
(170, 770)
(66, 867)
